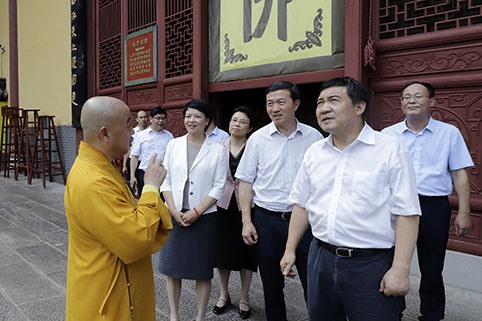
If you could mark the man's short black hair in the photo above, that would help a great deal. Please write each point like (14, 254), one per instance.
(158, 111)
(356, 91)
(201, 105)
(431, 91)
(288, 85)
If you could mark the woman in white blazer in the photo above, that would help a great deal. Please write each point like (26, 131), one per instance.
(196, 175)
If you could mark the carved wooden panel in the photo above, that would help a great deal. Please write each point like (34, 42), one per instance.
(178, 92)
(447, 59)
(400, 18)
(142, 97)
(175, 122)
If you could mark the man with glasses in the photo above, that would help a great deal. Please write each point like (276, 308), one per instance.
(146, 143)
(439, 156)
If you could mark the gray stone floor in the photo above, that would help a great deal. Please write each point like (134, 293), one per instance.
(33, 262)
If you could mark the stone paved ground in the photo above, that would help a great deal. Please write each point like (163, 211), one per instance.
(33, 262)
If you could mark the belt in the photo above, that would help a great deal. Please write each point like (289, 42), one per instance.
(347, 252)
(284, 215)
(424, 197)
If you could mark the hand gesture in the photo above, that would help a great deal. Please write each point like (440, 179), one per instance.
(155, 172)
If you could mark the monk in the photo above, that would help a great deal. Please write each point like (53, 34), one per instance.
(111, 237)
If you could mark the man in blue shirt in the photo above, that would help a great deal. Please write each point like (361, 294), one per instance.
(439, 156)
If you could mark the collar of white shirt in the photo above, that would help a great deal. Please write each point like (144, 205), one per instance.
(149, 130)
(366, 136)
(273, 129)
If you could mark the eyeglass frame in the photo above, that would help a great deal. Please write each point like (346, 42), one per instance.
(159, 118)
(417, 96)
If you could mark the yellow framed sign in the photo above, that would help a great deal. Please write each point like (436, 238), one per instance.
(260, 38)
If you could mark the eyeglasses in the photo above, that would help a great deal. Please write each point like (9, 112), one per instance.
(417, 96)
(159, 118)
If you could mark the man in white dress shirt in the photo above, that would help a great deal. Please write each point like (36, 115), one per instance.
(267, 170)
(141, 118)
(146, 143)
(439, 154)
(357, 191)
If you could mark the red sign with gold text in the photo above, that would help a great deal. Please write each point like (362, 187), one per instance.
(141, 57)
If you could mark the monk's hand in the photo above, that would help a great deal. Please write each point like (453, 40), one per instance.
(395, 282)
(155, 172)
(287, 263)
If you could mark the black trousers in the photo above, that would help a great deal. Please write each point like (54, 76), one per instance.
(140, 179)
(273, 232)
(340, 287)
(431, 245)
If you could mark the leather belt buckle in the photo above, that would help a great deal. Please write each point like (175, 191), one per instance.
(285, 215)
(344, 252)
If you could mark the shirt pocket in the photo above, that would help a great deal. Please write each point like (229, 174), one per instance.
(368, 189)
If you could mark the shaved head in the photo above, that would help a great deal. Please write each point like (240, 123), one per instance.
(106, 123)
(141, 113)
(98, 112)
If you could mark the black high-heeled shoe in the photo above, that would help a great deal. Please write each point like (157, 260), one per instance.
(220, 310)
(244, 314)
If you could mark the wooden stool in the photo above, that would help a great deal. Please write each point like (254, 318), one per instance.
(27, 138)
(10, 138)
(45, 147)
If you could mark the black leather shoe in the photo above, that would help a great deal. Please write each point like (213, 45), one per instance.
(220, 310)
(244, 314)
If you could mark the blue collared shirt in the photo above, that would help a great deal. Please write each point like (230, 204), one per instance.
(436, 151)
(218, 134)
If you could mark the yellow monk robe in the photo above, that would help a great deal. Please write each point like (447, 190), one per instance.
(109, 234)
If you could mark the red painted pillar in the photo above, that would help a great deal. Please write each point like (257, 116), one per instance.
(13, 52)
(354, 35)
(200, 55)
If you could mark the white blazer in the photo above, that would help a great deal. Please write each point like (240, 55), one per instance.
(207, 175)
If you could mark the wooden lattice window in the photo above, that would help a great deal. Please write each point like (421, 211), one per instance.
(141, 14)
(400, 18)
(179, 38)
(110, 70)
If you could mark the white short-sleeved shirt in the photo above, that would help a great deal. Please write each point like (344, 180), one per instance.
(148, 142)
(270, 162)
(354, 195)
(436, 150)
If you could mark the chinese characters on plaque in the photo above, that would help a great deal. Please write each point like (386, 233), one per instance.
(141, 57)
